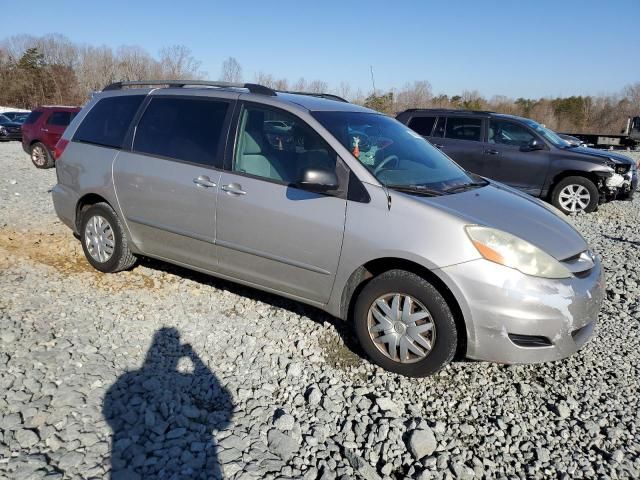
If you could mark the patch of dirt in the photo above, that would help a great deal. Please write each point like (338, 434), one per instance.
(64, 254)
(338, 354)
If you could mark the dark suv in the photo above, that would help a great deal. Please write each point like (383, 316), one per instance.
(41, 131)
(524, 154)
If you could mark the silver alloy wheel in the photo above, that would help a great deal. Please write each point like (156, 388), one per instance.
(38, 155)
(99, 238)
(401, 327)
(574, 197)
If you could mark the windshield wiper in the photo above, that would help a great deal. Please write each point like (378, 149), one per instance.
(416, 190)
(466, 186)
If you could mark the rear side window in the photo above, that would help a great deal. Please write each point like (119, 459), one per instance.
(439, 130)
(187, 129)
(461, 128)
(61, 119)
(422, 125)
(107, 122)
(32, 118)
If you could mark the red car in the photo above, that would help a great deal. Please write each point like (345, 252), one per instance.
(41, 131)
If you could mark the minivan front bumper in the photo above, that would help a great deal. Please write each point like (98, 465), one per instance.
(516, 318)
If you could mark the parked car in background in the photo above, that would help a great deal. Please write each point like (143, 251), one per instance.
(9, 129)
(16, 116)
(521, 153)
(424, 258)
(41, 131)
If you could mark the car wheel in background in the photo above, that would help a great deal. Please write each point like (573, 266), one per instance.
(575, 194)
(40, 156)
(104, 241)
(405, 325)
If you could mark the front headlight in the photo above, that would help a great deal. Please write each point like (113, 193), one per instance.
(513, 252)
(3, 131)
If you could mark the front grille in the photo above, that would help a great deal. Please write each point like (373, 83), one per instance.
(529, 341)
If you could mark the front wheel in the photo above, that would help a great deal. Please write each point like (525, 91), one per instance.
(40, 156)
(405, 325)
(104, 241)
(575, 194)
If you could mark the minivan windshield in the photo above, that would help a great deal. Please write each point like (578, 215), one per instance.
(396, 155)
(548, 135)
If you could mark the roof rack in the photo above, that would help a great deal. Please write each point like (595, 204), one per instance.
(252, 87)
(449, 110)
(328, 96)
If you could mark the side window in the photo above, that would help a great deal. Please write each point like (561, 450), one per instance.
(61, 119)
(187, 129)
(438, 132)
(462, 128)
(108, 121)
(33, 117)
(507, 133)
(422, 125)
(279, 146)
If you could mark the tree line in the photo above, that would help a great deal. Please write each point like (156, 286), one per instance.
(54, 70)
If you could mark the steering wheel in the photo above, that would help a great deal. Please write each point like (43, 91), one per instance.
(384, 163)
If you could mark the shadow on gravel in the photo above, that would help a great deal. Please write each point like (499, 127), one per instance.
(343, 329)
(623, 240)
(162, 416)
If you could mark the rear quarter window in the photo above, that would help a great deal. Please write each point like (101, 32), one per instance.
(32, 118)
(422, 125)
(108, 121)
(61, 119)
(464, 128)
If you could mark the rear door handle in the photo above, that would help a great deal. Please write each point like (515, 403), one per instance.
(491, 151)
(438, 145)
(45, 130)
(234, 189)
(203, 181)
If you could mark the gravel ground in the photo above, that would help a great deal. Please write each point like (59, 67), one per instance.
(163, 373)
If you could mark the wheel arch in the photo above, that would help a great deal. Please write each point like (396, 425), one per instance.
(84, 203)
(593, 176)
(364, 273)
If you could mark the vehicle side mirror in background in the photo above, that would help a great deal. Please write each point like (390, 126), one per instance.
(317, 180)
(534, 144)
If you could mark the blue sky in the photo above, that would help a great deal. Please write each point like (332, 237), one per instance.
(515, 48)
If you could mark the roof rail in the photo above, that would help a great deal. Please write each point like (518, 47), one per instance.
(252, 87)
(449, 110)
(328, 96)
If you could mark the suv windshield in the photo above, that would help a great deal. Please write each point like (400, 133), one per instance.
(549, 135)
(396, 155)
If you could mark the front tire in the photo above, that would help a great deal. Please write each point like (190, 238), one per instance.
(405, 325)
(575, 194)
(103, 240)
(40, 156)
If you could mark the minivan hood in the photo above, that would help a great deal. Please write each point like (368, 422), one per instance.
(523, 216)
(603, 154)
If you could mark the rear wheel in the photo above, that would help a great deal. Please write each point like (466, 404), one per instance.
(104, 241)
(405, 325)
(575, 194)
(40, 156)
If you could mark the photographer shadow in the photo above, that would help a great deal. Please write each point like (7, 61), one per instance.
(162, 417)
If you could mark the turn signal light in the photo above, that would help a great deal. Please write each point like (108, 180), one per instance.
(60, 146)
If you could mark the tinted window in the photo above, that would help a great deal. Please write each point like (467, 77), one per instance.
(108, 121)
(186, 129)
(439, 130)
(33, 116)
(61, 119)
(461, 128)
(422, 125)
(279, 146)
(507, 133)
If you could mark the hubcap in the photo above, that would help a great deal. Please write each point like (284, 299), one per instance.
(99, 239)
(401, 328)
(574, 198)
(38, 155)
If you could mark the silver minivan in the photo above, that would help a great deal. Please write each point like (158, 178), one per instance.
(329, 204)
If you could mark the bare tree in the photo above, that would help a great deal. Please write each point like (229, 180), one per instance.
(317, 86)
(414, 95)
(178, 63)
(231, 71)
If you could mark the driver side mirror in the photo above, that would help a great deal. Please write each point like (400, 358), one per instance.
(533, 145)
(317, 180)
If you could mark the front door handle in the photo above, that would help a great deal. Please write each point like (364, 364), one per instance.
(45, 130)
(203, 181)
(234, 189)
(491, 151)
(438, 145)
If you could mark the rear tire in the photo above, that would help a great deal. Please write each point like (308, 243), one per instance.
(382, 332)
(103, 240)
(575, 194)
(40, 156)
